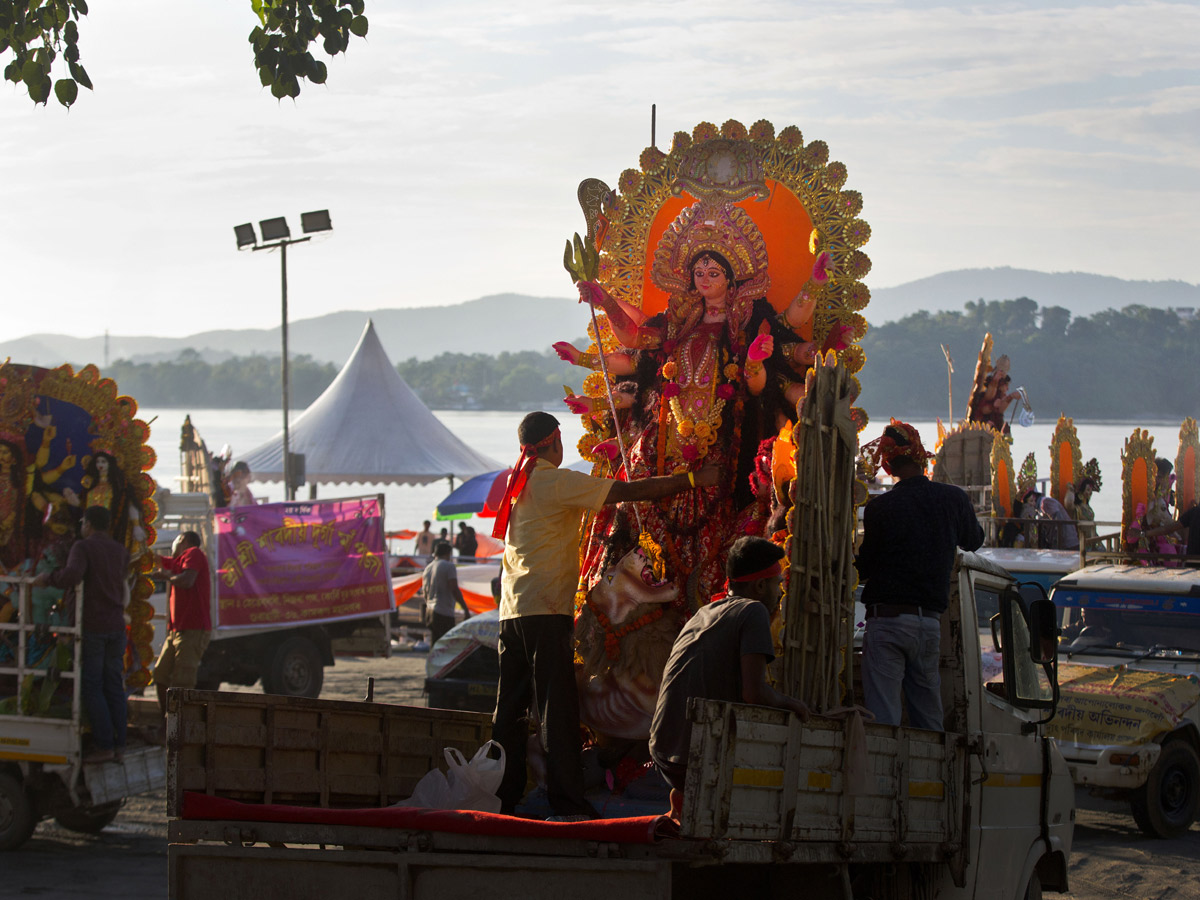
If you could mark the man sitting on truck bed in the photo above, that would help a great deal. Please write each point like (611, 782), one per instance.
(540, 572)
(721, 654)
(189, 621)
(907, 553)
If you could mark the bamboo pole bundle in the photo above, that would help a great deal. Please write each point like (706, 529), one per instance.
(818, 607)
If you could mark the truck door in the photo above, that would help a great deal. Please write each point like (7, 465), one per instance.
(1011, 753)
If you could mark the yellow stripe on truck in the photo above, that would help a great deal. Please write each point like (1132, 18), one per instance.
(758, 777)
(1013, 780)
(34, 757)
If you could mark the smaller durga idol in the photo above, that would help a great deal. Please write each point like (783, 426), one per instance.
(716, 274)
(68, 441)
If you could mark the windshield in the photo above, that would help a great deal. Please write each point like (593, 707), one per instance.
(1131, 634)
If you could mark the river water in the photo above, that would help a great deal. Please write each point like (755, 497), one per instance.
(495, 434)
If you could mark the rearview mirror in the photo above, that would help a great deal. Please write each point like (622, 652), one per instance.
(1043, 631)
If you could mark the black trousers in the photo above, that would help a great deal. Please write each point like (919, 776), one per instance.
(537, 668)
(438, 626)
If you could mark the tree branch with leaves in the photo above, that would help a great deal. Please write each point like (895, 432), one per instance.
(42, 35)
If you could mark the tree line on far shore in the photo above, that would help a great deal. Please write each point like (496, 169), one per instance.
(1134, 363)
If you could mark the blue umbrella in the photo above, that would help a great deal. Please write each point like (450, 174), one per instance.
(469, 498)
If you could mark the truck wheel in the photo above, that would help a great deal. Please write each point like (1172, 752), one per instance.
(16, 813)
(1033, 891)
(1165, 806)
(295, 669)
(89, 819)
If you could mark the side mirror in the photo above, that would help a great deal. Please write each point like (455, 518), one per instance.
(1043, 631)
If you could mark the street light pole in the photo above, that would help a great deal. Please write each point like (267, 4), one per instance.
(288, 490)
(275, 233)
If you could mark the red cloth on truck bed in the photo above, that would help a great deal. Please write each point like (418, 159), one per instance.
(638, 830)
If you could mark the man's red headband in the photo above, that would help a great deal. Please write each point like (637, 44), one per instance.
(769, 572)
(517, 479)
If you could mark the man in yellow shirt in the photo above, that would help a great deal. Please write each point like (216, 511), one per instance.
(539, 521)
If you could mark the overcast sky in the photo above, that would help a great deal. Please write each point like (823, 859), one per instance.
(448, 146)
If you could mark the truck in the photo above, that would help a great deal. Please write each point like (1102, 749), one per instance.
(1129, 721)
(42, 770)
(288, 656)
(274, 797)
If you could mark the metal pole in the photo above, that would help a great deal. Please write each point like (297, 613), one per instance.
(287, 466)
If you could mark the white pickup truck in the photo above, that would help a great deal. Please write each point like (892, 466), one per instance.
(772, 806)
(1130, 663)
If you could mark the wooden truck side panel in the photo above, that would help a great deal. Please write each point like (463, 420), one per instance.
(257, 748)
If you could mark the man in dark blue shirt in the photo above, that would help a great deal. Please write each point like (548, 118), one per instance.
(908, 550)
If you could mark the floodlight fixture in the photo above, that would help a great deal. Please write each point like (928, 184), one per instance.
(245, 235)
(275, 229)
(313, 222)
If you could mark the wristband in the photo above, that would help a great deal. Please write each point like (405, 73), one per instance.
(691, 479)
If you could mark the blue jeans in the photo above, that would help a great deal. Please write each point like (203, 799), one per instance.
(103, 688)
(901, 654)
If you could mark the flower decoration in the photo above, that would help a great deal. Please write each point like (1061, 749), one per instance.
(791, 138)
(734, 130)
(858, 265)
(857, 233)
(595, 385)
(669, 369)
(823, 267)
(690, 453)
(762, 130)
(687, 428)
(630, 181)
(731, 371)
(705, 131)
(857, 296)
(725, 391)
(851, 202)
(651, 159)
(817, 153)
(680, 142)
(834, 175)
(815, 241)
(702, 430)
(670, 391)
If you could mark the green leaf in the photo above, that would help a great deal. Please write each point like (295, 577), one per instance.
(81, 7)
(66, 90)
(31, 71)
(257, 6)
(71, 53)
(12, 72)
(39, 90)
(277, 90)
(265, 76)
(358, 26)
(318, 72)
(80, 75)
(357, 7)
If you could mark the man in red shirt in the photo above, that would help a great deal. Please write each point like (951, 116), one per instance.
(189, 623)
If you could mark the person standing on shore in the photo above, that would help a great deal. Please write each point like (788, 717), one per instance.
(439, 584)
(423, 546)
(908, 550)
(101, 563)
(538, 521)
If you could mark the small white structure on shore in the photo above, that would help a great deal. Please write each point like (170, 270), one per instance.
(369, 427)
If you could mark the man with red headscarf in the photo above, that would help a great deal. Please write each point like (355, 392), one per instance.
(539, 522)
(908, 550)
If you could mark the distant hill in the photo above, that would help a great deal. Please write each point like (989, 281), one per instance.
(1081, 293)
(519, 322)
(487, 325)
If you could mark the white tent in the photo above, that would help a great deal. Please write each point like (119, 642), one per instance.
(369, 427)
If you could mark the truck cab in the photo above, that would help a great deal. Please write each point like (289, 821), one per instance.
(1130, 672)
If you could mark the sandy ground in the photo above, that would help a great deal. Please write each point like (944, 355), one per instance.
(1112, 859)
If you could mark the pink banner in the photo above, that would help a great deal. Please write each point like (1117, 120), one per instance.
(292, 563)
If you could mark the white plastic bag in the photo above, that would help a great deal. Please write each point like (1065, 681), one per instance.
(468, 785)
